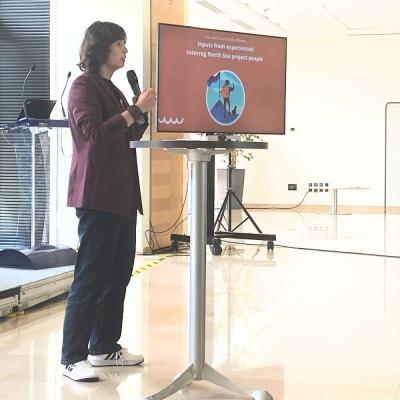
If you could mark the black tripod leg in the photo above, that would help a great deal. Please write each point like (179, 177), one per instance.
(221, 213)
(246, 212)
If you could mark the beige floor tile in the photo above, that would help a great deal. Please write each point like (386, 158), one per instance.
(302, 324)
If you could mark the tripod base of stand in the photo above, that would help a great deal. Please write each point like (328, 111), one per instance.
(229, 231)
(270, 239)
(209, 374)
(213, 242)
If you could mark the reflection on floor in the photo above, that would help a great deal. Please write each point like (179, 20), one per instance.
(302, 324)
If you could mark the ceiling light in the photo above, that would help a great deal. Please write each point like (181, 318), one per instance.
(210, 6)
(243, 24)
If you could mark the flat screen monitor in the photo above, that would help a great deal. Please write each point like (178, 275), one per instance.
(216, 81)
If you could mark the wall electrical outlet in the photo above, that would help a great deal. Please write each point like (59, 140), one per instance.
(292, 186)
(318, 187)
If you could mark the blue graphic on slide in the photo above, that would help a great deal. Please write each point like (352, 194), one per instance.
(225, 97)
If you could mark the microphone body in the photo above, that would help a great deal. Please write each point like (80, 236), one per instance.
(133, 82)
(31, 69)
(62, 94)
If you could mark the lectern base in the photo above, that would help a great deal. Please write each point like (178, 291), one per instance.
(209, 374)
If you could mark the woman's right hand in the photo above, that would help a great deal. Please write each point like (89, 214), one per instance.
(147, 100)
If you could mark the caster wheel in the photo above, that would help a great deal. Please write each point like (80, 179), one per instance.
(216, 250)
(270, 246)
(174, 247)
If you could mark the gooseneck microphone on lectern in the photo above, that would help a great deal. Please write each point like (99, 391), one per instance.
(62, 94)
(33, 67)
(133, 82)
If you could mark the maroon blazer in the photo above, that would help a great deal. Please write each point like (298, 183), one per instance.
(103, 173)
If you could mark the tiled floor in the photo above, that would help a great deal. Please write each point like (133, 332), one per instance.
(302, 324)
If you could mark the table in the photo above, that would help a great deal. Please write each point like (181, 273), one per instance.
(199, 154)
(334, 190)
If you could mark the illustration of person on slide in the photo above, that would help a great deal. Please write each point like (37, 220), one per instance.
(225, 93)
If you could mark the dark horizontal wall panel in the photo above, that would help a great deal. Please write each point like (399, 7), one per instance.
(24, 41)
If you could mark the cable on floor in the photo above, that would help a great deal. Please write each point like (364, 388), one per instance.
(315, 249)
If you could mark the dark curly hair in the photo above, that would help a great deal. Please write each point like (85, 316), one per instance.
(96, 43)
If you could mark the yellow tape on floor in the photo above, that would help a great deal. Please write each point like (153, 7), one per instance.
(148, 265)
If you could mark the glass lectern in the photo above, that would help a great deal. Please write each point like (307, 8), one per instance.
(29, 183)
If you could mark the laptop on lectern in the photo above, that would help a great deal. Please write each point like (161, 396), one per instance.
(37, 109)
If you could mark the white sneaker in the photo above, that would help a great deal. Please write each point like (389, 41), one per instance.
(80, 371)
(118, 358)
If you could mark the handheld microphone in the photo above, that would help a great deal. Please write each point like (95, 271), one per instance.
(32, 68)
(133, 82)
(62, 94)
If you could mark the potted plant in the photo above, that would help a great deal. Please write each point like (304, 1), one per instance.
(231, 160)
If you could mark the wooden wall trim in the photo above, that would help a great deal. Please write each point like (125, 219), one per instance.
(167, 170)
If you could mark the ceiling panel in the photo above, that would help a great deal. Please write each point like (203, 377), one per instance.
(308, 16)
(366, 14)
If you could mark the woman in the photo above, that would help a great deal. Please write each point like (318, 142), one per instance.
(104, 189)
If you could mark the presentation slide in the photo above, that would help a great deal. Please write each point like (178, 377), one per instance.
(216, 81)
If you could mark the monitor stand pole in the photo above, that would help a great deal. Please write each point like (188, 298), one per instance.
(212, 240)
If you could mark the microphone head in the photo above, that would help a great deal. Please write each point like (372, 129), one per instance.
(33, 68)
(131, 75)
(69, 74)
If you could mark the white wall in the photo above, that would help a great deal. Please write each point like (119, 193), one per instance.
(337, 88)
(69, 20)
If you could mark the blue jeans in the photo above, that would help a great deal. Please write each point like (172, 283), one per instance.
(93, 317)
